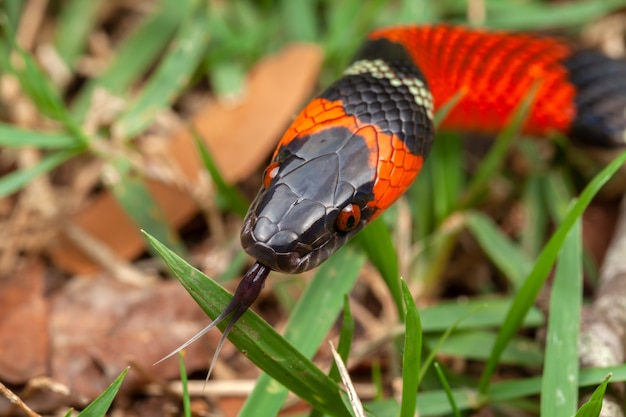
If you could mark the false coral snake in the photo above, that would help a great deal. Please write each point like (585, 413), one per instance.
(358, 146)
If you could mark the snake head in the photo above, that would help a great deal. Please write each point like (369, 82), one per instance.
(313, 200)
(346, 158)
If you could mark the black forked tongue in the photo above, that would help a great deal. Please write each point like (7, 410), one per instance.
(247, 292)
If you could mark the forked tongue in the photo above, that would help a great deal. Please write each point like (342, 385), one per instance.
(247, 292)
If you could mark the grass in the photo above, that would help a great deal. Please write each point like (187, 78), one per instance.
(180, 43)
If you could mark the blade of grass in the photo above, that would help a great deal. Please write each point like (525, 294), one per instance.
(536, 220)
(13, 137)
(559, 390)
(448, 175)
(501, 250)
(421, 192)
(300, 19)
(308, 324)
(260, 342)
(135, 55)
(75, 22)
(529, 290)
(495, 158)
(235, 201)
(353, 399)
(537, 15)
(476, 345)
(343, 348)
(347, 23)
(345, 338)
(447, 107)
(12, 182)
(42, 92)
(434, 403)
(557, 193)
(447, 390)
(411, 356)
(131, 192)
(13, 11)
(593, 407)
(100, 405)
(440, 342)
(476, 313)
(376, 241)
(171, 76)
(184, 384)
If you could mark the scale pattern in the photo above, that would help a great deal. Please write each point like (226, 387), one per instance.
(364, 140)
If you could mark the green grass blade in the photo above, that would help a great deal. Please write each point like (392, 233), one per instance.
(300, 20)
(135, 55)
(376, 241)
(171, 76)
(42, 92)
(76, 21)
(529, 290)
(533, 236)
(559, 391)
(535, 15)
(411, 356)
(447, 107)
(343, 348)
(235, 201)
(476, 345)
(447, 390)
(13, 137)
(131, 192)
(100, 405)
(420, 193)
(476, 313)
(347, 22)
(495, 158)
(448, 174)
(593, 407)
(308, 324)
(13, 11)
(185, 385)
(12, 182)
(434, 403)
(504, 253)
(260, 342)
(557, 193)
(439, 343)
(345, 338)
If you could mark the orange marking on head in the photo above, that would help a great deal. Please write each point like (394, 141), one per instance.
(395, 166)
(319, 114)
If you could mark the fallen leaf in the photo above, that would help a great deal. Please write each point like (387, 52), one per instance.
(98, 325)
(239, 138)
(24, 338)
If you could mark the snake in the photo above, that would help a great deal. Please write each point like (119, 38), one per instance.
(357, 147)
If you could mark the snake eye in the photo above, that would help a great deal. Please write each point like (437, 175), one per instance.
(270, 173)
(349, 217)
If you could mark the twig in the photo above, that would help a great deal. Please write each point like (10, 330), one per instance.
(14, 399)
(32, 17)
(104, 256)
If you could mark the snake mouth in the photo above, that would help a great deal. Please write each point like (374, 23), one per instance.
(287, 262)
(283, 251)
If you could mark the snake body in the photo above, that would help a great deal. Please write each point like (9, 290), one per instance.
(360, 144)
(354, 149)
